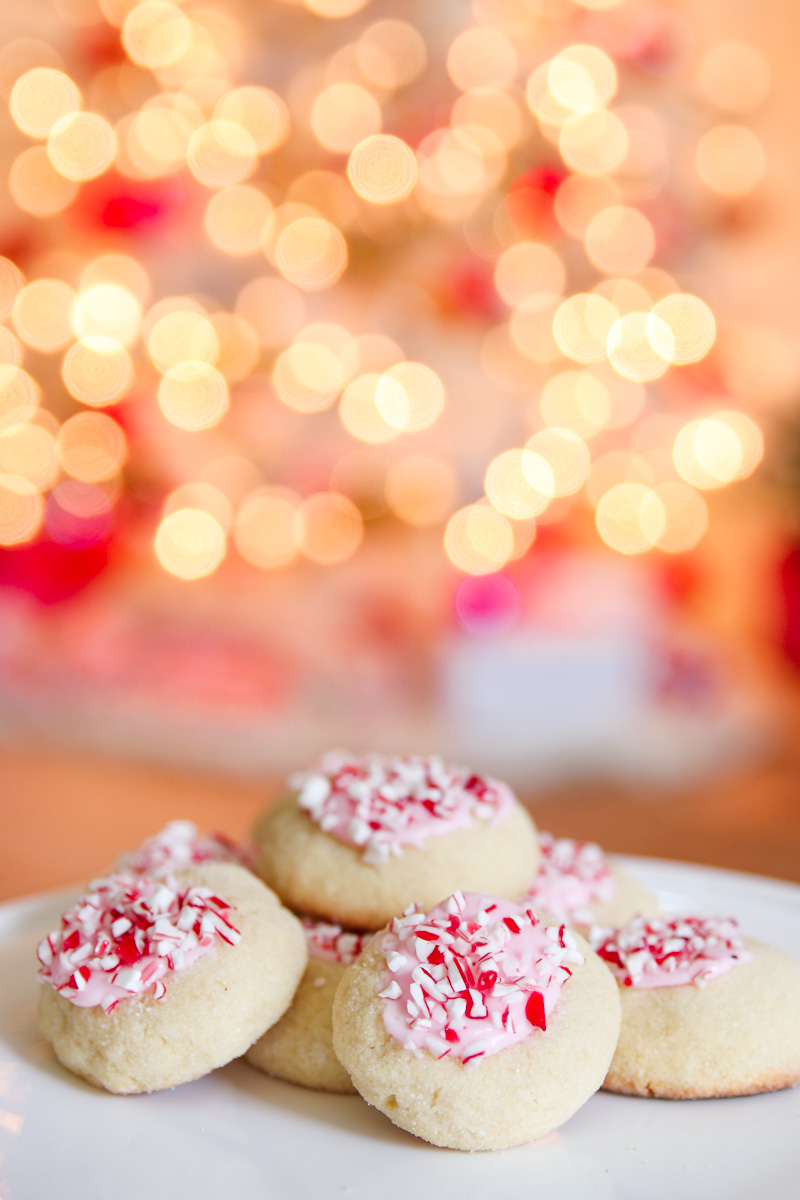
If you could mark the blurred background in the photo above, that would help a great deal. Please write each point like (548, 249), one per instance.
(413, 377)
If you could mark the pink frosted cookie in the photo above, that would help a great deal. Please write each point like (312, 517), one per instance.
(179, 846)
(358, 839)
(704, 1012)
(300, 1047)
(578, 885)
(476, 1025)
(153, 982)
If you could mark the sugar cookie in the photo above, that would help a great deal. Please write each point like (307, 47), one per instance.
(476, 1026)
(359, 839)
(150, 983)
(299, 1048)
(704, 1012)
(577, 884)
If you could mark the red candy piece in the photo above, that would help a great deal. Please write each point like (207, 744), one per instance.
(534, 1010)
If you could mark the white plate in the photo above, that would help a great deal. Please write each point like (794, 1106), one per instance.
(238, 1134)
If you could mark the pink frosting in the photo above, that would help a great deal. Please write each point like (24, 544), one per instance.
(381, 803)
(178, 846)
(650, 952)
(474, 975)
(127, 934)
(332, 943)
(572, 877)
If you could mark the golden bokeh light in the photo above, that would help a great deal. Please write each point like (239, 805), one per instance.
(221, 153)
(180, 336)
(260, 111)
(751, 440)
(681, 328)
(581, 197)
(730, 160)
(510, 490)
(382, 169)
(107, 310)
(686, 517)
(599, 5)
(478, 539)
(311, 253)
(421, 489)
(82, 146)
(582, 78)
(121, 270)
(308, 376)
(359, 412)
(578, 401)
(495, 110)
(156, 140)
(631, 346)
(735, 76)
(328, 528)
(264, 531)
(713, 451)
(615, 467)
(566, 460)
(203, 496)
(343, 115)
(42, 314)
(91, 447)
(21, 510)
(273, 308)
(19, 396)
(40, 98)
(97, 370)
(235, 217)
(527, 268)
(631, 518)
(594, 143)
(190, 543)
(391, 53)
(410, 396)
(193, 395)
(37, 187)
(10, 348)
(29, 451)
(531, 327)
(239, 350)
(337, 339)
(620, 240)
(627, 295)
(12, 282)
(581, 326)
(549, 112)
(481, 57)
(156, 34)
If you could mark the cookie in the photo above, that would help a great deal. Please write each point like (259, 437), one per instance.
(299, 1048)
(359, 839)
(179, 846)
(151, 983)
(476, 1026)
(704, 1012)
(577, 884)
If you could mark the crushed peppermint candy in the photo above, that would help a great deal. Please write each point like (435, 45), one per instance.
(651, 952)
(126, 934)
(381, 803)
(572, 877)
(474, 975)
(178, 846)
(332, 943)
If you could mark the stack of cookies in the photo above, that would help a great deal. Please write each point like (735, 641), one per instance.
(411, 938)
